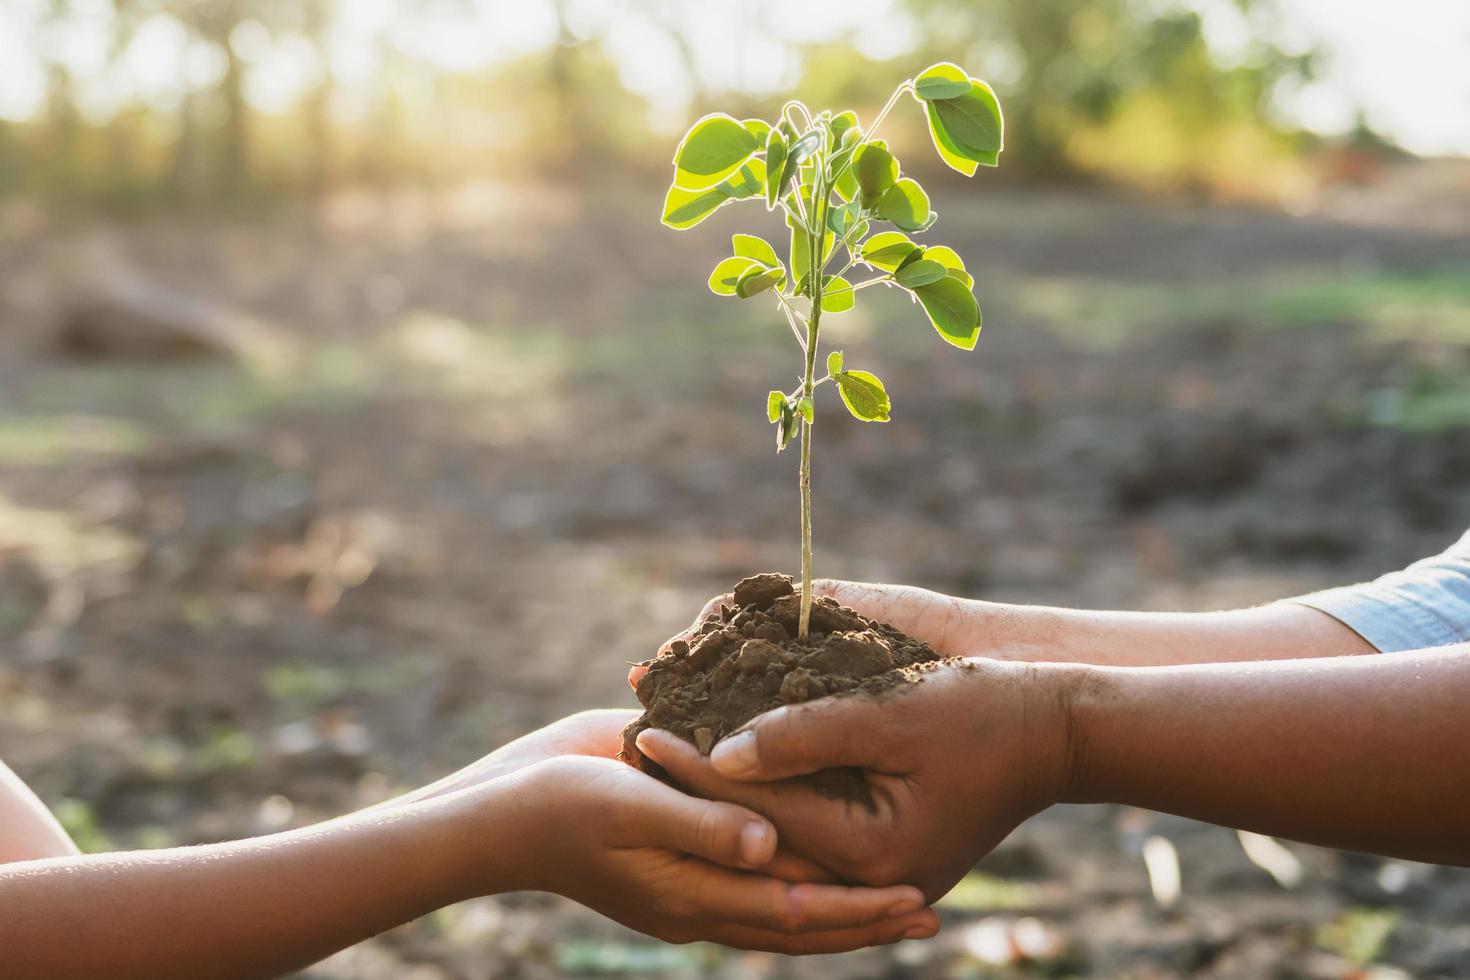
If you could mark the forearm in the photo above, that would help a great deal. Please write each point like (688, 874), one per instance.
(254, 908)
(974, 628)
(1280, 631)
(1366, 753)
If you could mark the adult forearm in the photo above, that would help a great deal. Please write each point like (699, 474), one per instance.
(255, 908)
(1367, 753)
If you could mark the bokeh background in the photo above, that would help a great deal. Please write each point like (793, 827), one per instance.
(356, 413)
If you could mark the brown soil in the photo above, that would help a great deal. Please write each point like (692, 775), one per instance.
(747, 659)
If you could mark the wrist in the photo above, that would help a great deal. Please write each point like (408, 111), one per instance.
(1086, 694)
(490, 829)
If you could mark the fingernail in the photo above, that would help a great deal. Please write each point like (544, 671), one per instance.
(756, 847)
(918, 932)
(736, 755)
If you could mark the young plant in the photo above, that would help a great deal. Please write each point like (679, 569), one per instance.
(836, 182)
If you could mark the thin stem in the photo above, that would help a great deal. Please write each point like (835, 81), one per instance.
(892, 101)
(817, 262)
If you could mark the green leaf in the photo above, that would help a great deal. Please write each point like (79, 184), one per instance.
(774, 401)
(887, 250)
(715, 147)
(906, 205)
(951, 261)
(920, 273)
(806, 409)
(837, 295)
(798, 152)
(941, 81)
(758, 280)
(726, 277)
(948, 152)
(684, 208)
(864, 395)
(969, 127)
(755, 247)
(841, 218)
(801, 263)
(840, 124)
(875, 170)
(953, 311)
(787, 425)
(834, 363)
(846, 185)
(775, 166)
(759, 129)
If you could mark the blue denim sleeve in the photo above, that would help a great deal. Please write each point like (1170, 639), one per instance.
(1425, 605)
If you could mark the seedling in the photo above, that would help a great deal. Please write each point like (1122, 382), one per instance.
(836, 183)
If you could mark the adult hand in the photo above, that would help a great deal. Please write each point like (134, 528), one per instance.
(684, 869)
(954, 761)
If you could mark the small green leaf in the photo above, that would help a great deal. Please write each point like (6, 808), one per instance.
(755, 247)
(906, 205)
(758, 280)
(834, 363)
(920, 273)
(948, 152)
(787, 425)
(864, 395)
(951, 261)
(840, 124)
(846, 185)
(723, 280)
(684, 208)
(841, 218)
(941, 81)
(801, 263)
(875, 170)
(806, 409)
(775, 166)
(837, 294)
(715, 147)
(796, 153)
(887, 250)
(969, 127)
(953, 311)
(774, 401)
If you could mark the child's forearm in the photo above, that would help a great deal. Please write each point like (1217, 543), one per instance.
(1367, 753)
(254, 908)
(974, 628)
(1280, 631)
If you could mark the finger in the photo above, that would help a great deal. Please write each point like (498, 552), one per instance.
(635, 674)
(795, 868)
(918, 925)
(794, 740)
(811, 824)
(765, 903)
(719, 832)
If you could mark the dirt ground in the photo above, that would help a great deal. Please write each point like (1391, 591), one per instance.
(238, 596)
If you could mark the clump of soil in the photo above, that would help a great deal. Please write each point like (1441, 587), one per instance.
(747, 659)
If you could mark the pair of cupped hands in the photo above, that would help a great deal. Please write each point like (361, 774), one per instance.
(753, 858)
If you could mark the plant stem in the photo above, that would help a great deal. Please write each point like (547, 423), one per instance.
(817, 263)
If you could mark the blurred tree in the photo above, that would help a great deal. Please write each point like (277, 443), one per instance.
(1068, 66)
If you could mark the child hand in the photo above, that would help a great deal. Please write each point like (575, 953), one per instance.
(642, 853)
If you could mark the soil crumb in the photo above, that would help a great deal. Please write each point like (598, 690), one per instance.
(747, 659)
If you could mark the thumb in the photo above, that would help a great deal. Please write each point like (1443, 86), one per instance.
(719, 832)
(799, 739)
